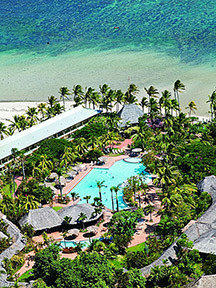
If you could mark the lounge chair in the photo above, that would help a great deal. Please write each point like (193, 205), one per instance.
(108, 150)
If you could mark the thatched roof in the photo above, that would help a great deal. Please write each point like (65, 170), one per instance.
(208, 184)
(205, 281)
(41, 219)
(129, 113)
(75, 210)
(2, 235)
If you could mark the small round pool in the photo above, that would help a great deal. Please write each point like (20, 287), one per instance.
(133, 160)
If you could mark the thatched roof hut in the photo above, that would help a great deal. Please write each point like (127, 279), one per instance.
(75, 210)
(129, 113)
(41, 219)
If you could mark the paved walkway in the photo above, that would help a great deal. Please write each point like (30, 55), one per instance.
(123, 144)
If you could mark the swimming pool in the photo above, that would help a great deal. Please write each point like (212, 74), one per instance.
(116, 174)
(68, 244)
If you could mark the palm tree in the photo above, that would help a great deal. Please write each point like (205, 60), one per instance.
(74, 196)
(65, 235)
(42, 109)
(130, 94)
(166, 101)
(28, 202)
(22, 157)
(67, 220)
(144, 103)
(64, 93)
(88, 96)
(111, 190)
(14, 153)
(87, 198)
(150, 209)
(52, 101)
(107, 101)
(192, 107)
(3, 130)
(119, 99)
(15, 123)
(179, 87)
(59, 172)
(23, 123)
(68, 157)
(79, 247)
(212, 101)
(95, 99)
(97, 210)
(152, 92)
(104, 89)
(116, 189)
(81, 218)
(44, 166)
(78, 95)
(32, 115)
(153, 108)
(100, 185)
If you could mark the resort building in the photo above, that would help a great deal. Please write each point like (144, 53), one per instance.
(129, 115)
(47, 218)
(60, 126)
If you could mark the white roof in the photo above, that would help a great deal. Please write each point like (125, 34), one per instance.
(45, 129)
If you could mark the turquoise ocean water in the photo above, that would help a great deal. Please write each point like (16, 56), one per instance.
(152, 36)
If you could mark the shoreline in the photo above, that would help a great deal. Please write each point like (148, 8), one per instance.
(10, 108)
(35, 77)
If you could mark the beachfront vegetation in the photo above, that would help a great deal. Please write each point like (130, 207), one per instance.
(178, 151)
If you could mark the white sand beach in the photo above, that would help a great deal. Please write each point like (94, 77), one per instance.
(9, 109)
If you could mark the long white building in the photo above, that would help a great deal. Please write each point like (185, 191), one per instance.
(60, 126)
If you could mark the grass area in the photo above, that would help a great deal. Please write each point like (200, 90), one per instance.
(57, 208)
(6, 189)
(27, 276)
(119, 260)
(139, 247)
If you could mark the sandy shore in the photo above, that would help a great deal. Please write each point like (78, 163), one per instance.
(9, 109)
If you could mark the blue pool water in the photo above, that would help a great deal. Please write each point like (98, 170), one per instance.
(68, 244)
(117, 174)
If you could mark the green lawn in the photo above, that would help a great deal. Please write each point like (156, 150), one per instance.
(26, 276)
(119, 260)
(6, 189)
(57, 208)
(139, 247)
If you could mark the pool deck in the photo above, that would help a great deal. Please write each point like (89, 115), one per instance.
(88, 167)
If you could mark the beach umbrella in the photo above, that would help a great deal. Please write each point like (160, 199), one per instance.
(103, 159)
(74, 232)
(137, 150)
(93, 229)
